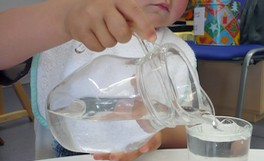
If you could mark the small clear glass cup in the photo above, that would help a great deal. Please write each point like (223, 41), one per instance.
(230, 141)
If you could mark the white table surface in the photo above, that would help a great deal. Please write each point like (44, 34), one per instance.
(162, 155)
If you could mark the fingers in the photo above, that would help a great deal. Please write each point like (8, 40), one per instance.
(153, 144)
(91, 41)
(103, 35)
(118, 26)
(125, 156)
(101, 156)
(101, 24)
(137, 19)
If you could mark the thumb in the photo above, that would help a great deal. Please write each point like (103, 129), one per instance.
(153, 144)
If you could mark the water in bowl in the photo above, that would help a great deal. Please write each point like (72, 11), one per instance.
(230, 140)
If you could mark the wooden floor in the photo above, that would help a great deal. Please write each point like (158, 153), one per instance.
(18, 135)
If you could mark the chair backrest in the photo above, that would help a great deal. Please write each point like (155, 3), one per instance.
(243, 2)
(252, 24)
(13, 74)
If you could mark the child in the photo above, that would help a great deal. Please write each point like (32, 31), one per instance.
(107, 28)
(28, 30)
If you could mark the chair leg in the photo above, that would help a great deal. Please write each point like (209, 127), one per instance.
(243, 80)
(23, 99)
(1, 101)
(242, 88)
(1, 110)
(1, 141)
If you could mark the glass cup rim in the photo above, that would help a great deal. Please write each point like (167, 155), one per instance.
(247, 131)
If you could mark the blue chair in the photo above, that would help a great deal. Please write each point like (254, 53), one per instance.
(246, 53)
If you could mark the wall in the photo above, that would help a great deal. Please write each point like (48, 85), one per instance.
(6, 4)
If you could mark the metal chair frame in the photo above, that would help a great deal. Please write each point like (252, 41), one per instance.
(250, 56)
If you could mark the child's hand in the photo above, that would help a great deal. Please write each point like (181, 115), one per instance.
(102, 23)
(153, 144)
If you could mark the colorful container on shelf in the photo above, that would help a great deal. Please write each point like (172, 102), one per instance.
(216, 22)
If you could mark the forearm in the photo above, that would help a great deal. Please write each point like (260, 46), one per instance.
(174, 137)
(98, 24)
(28, 30)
